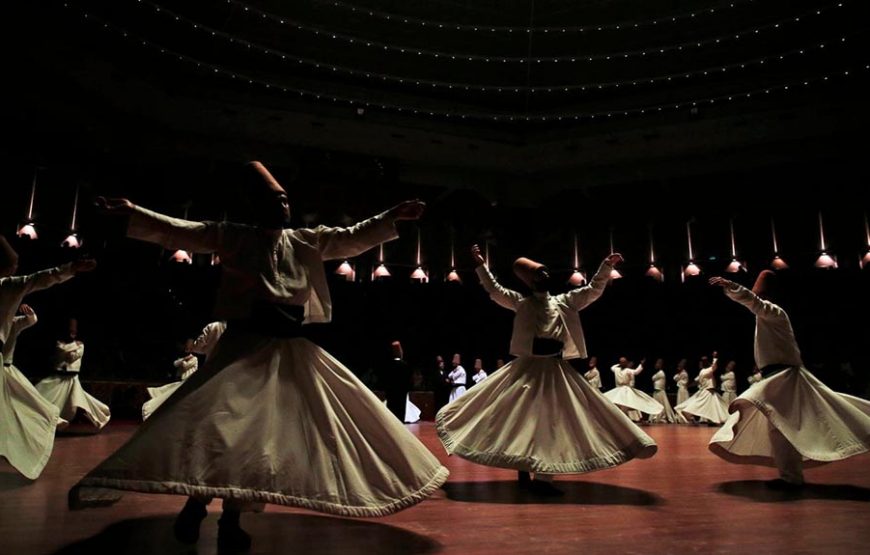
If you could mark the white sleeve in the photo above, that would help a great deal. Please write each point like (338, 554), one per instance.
(502, 296)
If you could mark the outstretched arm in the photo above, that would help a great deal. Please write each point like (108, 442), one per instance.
(17, 287)
(639, 368)
(27, 319)
(502, 296)
(580, 298)
(168, 232)
(742, 295)
(347, 242)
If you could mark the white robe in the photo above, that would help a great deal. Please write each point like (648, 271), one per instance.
(565, 306)
(594, 378)
(661, 396)
(705, 403)
(537, 414)
(270, 419)
(729, 387)
(14, 288)
(628, 398)
(208, 338)
(184, 368)
(790, 419)
(479, 376)
(412, 411)
(27, 420)
(457, 378)
(64, 390)
(682, 379)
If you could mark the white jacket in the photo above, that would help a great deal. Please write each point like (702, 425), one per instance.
(774, 337)
(282, 266)
(564, 307)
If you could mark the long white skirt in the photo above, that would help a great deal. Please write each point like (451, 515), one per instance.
(728, 396)
(27, 423)
(65, 391)
(538, 414)
(667, 415)
(158, 396)
(630, 398)
(412, 411)
(821, 424)
(274, 421)
(456, 392)
(682, 395)
(707, 404)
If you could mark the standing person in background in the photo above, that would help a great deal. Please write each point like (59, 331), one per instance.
(480, 374)
(593, 376)
(456, 379)
(682, 380)
(729, 383)
(397, 380)
(660, 394)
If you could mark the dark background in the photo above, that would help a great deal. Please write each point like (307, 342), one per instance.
(99, 111)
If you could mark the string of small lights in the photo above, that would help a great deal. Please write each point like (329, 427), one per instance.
(300, 92)
(430, 84)
(571, 58)
(483, 28)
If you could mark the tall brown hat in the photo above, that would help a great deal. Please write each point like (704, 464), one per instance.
(526, 268)
(8, 257)
(396, 348)
(257, 176)
(765, 284)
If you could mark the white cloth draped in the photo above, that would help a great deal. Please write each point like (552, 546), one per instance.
(628, 397)
(821, 424)
(706, 404)
(65, 391)
(537, 414)
(790, 412)
(185, 367)
(457, 378)
(660, 396)
(594, 378)
(272, 420)
(682, 379)
(275, 421)
(27, 423)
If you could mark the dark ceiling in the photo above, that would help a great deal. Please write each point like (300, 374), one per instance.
(479, 94)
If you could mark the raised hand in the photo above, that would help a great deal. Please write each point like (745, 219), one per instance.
(408, 210)
(476, 256)
(84, 265)
(114, 204)
(26, 310)
(614, 258)
(721, 282)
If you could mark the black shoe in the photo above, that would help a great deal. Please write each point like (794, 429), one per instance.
(231, 538)
(187, 523)
(523, 478)
(545, 489)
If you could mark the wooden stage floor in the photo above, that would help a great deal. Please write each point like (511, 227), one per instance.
(683, 500)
